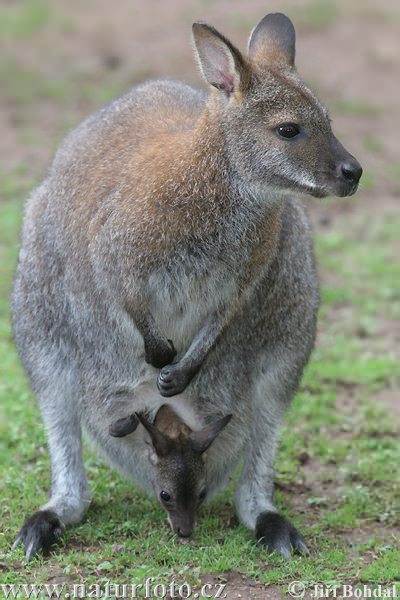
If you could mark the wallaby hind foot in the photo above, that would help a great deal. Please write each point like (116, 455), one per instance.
(41, 531)
(277, 534)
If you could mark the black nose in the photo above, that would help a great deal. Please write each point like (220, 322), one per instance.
(351, 171)
(183, 532)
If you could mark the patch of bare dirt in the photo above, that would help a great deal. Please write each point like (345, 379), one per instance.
(389, 398)
(238, 586)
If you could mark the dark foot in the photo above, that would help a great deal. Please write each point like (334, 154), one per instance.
(161, 354)
(277, 534)
(173, 379)
(39, 532)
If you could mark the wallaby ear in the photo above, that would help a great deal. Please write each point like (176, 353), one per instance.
(123, 426)
(273, 41)
(160, 442)
(221, 64)
(201, 440)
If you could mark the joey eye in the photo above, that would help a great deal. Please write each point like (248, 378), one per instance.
(288, 130)
(202, 494)
(165, 496)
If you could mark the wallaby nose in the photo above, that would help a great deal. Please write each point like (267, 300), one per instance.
(351, 171)
(184, 532)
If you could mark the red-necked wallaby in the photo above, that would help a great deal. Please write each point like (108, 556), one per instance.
(165, 249)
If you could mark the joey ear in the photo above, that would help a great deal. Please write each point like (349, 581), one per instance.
(221, 64)
(273, 41)
(160, 442)
(170, 423)
(201, 440)
(123, 426)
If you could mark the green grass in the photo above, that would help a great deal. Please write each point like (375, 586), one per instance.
(351, 454)
(22, 20)
(372, 143)
(356, 106)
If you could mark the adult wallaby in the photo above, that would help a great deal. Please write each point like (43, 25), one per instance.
(165, 231)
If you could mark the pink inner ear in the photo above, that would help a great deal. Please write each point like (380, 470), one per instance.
(218, 66)
(226, 81)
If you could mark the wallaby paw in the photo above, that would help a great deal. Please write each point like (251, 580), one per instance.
(40, 532)
(172, 380)
(160, 355)
(277, 534)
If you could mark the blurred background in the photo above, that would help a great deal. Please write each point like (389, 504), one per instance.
(59, 61)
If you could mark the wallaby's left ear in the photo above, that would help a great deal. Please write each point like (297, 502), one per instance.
(221, 64)
(201, 440)
(273, 42)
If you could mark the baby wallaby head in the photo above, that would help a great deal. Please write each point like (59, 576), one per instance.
(277, 134)
(177, 462)
(177, 456)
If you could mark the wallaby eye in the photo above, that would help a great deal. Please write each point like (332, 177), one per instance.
(165, 496)
(288, 130)
(202, 494)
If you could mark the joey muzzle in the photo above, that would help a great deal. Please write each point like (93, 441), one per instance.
(182, 524)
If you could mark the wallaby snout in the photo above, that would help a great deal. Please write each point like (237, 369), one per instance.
(343, 172)
(349, 174)
(182, 524)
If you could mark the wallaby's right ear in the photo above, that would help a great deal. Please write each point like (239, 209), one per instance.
(221, 64)
(273, 42)
(202, 440)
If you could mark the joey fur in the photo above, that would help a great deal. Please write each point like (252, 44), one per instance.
(164, 255)
(176, 461)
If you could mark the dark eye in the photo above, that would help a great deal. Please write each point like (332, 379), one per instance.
(288, 130)
(202, 494)
(165, 496)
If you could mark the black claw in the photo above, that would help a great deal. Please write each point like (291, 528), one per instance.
(277, 534)
(171, 343)
(40, 532)
(164, 377)
(298, 542)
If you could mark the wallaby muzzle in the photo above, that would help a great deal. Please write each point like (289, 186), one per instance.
(346, 173)
(182, 525)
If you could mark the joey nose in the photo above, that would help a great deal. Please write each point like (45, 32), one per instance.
(350, 170)
(184, 532)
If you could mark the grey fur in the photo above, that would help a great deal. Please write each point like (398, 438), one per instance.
(89, 284)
